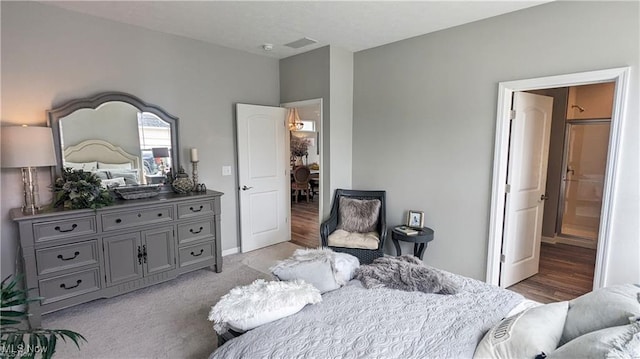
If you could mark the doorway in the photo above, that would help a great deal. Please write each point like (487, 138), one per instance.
(303, 143)
(619, 77)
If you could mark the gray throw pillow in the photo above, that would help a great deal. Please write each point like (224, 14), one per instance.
(315, 272)
(602, 308)
(358, 215)
(615, 342)
(130, 176)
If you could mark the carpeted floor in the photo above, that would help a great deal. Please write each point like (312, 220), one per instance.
(167, 320)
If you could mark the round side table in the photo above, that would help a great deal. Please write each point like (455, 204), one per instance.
(419, 240)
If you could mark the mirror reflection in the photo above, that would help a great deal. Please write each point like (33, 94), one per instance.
(120, 143)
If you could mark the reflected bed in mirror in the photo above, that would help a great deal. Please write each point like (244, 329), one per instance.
(117, 136)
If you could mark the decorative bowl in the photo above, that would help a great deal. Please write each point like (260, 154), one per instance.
(137, 192)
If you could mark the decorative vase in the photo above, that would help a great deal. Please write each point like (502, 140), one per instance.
(181, 183)
(299, 161)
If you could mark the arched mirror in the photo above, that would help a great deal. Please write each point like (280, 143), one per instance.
(117, 136)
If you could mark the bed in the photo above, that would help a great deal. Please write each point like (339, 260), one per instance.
(355, 322)
(479, 321)
(105, 159)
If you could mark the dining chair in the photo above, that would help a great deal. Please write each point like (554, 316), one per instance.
(300, 184)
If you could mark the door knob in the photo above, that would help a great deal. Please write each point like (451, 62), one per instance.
(544, 197)
(244, 188)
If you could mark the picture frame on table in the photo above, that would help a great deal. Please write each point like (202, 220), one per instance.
(415, 219)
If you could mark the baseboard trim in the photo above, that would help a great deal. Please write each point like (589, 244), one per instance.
(230, 251)
(584, 243)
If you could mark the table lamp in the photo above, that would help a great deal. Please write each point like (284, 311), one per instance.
(162, 153)
(28, 147)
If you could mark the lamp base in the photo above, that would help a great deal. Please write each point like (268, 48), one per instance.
(31, 203)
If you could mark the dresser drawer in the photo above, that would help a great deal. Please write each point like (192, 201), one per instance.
(195, 209)
(69, 285)
(196, 253)
(68, 256)
(112, 221)
(191, 232)
(46, 231)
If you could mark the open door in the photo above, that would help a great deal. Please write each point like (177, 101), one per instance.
(526, 184)
(262, 176)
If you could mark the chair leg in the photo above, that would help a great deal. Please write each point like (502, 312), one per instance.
(297, 193)
(307, 195)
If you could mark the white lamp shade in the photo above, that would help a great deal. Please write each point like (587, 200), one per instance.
(27, 146)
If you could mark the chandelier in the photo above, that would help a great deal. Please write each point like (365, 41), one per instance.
(294, 120)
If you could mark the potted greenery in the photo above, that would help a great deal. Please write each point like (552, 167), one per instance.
(16, 342)
(299, 148)
(77, 189)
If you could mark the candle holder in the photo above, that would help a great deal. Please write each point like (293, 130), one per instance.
(194, 174)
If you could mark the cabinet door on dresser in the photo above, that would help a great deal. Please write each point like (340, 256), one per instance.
(123, 256)
(158, 250)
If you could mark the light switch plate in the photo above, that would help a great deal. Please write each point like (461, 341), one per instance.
(226, 170)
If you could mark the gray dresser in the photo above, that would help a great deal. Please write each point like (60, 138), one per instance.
(75, 256)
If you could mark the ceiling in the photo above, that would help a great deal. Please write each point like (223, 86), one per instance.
(247, 25)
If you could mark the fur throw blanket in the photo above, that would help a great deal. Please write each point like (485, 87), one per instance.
(260, 297)
(404, 273)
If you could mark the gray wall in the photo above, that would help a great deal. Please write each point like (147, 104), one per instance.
(425, 114)
(305, 77)
(325, 73)
(50, 55)
(341, 132)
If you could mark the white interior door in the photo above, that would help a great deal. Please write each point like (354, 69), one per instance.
(526, 184)
(263, 176)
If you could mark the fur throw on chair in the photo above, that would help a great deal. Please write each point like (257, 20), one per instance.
(404, 273)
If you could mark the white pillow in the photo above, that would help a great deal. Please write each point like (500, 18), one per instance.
(525, 334)
(85, 166)
(110, 166)
(261, 302)
(244, 324)
(345, 266)
(114, 182)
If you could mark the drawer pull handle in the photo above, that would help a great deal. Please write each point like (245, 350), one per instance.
(63, 286)
(199, 254)
(159, 214)
(196, 210)
(196, 232)
(139, 215)
(68, 259)
(73, 226)
(118, 220)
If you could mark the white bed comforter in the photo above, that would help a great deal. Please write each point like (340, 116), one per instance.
(354, 322)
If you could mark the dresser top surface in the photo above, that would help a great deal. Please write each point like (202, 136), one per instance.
(168, 197)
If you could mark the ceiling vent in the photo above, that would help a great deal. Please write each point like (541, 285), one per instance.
(301, 43)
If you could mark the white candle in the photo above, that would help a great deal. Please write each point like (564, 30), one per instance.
(194, 155)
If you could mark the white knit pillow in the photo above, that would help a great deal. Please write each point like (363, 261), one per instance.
(261, 302)
(525, 334)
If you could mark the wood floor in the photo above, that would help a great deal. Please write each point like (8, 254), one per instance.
(566, 272)
(305, 229)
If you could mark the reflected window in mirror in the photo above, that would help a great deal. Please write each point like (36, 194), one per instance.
(155, 146)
